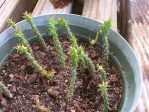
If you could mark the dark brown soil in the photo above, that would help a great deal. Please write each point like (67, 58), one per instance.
(26, 84)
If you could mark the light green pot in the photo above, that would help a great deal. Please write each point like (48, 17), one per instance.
(84, 27)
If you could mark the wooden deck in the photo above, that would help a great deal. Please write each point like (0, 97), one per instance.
(129, 17)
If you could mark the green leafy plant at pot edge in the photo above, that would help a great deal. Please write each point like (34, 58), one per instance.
(76, 52)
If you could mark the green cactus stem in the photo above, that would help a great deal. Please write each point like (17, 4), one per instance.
(102, 72)
(48, 74)
(81, 58)
(27, 17)
(93, 41)
(104, 31)
(84, 59)
(4, 90)
(103, 89)
(19, 35)
(74, 58)
(63, 23)
(56, 41)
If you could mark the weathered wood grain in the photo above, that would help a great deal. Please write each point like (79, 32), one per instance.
(2, 2)
(6, 10)
(45, 7)
(101, 10)
(14, 9)
(138, 37)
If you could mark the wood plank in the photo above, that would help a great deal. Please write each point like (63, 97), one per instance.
(101, 10)
(2, 2)
(138, 36)
(6, 10)
(16, 13)
(45, 7)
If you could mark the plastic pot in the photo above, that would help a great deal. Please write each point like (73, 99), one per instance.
(84, 28)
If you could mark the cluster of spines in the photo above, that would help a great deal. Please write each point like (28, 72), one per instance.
(4, 89)
(48, 74)
(56, 41)
(27, 17)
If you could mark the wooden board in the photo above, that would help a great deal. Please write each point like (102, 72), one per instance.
(6, 10)
(101, 10)
(14, 9)
(45, 7)
(138, 37)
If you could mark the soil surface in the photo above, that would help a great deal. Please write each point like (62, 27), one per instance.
(31, 91)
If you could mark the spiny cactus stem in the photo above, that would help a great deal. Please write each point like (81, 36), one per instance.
(22, 49)
(56, 41)
(63, 23)
(19, 35)
(104, 31)
(103, 90)
(5, 90)
(74, 59)
(89, 64)
(27, 17)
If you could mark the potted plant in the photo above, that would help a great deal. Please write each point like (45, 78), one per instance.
(66, 63)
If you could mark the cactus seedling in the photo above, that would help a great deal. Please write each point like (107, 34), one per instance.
(27, 17)
(5, 90)
(103, 90)
(56, 41)
(48, 74)
(74, 58)
(93, 41)
(104, 31)
(19, 35)
(63, 23)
